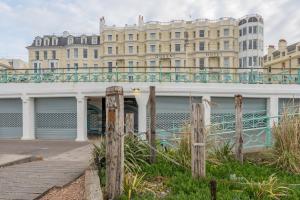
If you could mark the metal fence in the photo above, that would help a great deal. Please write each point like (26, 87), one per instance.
(143, 74)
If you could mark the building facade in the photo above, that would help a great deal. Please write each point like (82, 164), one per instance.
(66, 51)
(283, 60)
(174, 46)
(199, 43)
(251, 42)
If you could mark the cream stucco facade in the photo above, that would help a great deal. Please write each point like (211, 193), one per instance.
(285, 59)
(177, 46)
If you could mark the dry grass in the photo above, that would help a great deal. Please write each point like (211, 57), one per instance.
(286, 150)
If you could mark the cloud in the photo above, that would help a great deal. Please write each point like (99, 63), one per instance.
(21, 21)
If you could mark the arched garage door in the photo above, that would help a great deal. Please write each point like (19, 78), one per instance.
(56, 118)
(11, 119)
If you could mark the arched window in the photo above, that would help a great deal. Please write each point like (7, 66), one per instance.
(54, 41)
(46, 41)
(38, 41)
(70, 40)
(83, 40)
(252, 19)
(243, 21)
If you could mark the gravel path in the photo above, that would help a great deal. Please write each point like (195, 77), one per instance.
(74, 191)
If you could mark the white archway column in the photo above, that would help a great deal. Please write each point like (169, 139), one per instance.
(142, 100)
(28, 118)
(81, 118)
(272, 105)
(206, 100)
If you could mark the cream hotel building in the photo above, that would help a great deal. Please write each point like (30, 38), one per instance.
(174, 46)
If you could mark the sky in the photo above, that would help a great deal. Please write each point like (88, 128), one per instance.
(22, 20)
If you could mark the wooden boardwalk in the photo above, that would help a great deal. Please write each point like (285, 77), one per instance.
(29, 180)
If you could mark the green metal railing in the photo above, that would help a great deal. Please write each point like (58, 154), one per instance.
(143, 74)
(257, 130)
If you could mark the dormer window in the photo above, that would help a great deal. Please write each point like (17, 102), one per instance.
(83, 40)
(54, 41)
(94, 40)
(38, 42)
(70, 40)
(46, 41)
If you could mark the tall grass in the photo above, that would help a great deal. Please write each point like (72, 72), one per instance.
(286, 149)
(136, 154)
(266, 189)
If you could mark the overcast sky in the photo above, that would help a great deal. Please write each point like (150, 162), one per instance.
(22, 20)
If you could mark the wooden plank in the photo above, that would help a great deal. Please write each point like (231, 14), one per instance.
(198, 140)
(152, 135)
(239, 128)
(114, 141)
(129, 121)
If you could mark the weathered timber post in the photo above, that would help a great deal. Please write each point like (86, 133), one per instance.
(129, 124)
(114, 141)
(152, 135)
(239, 128)
(198, 140)
(213, 189)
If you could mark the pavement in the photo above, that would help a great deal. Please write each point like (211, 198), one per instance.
(38, 148)
(11, 159)
(63, 162)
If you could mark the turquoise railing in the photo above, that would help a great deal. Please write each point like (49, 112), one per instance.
(187, 75)
(257, 130)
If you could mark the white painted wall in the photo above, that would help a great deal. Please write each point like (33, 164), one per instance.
(29, 91)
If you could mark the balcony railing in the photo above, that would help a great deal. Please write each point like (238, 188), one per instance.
(142, 74)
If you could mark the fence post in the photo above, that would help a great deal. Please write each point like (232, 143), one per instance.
(152, 135)
(198, 140)
(239, 128)
(129, 124)
(114, 141)
(213, 189)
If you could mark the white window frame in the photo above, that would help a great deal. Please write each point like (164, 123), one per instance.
(54, 41)
(85, 53)
(109, 50)
(226, 32)
(130, 49)
(70, 40)
(152, 48)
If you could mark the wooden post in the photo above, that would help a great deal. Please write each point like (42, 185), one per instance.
(114, 141)
(198, 140)
(152, 135)
(213, 189)
(238, 128)
(129, 124)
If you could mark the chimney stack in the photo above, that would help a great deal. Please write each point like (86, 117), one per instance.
(141, 21)
(102, 23)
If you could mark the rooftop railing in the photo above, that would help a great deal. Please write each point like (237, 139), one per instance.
(151, 74)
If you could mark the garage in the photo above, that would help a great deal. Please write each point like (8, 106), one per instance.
(56, 118)
(223, 108)
(173, 112)
(11, 119)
